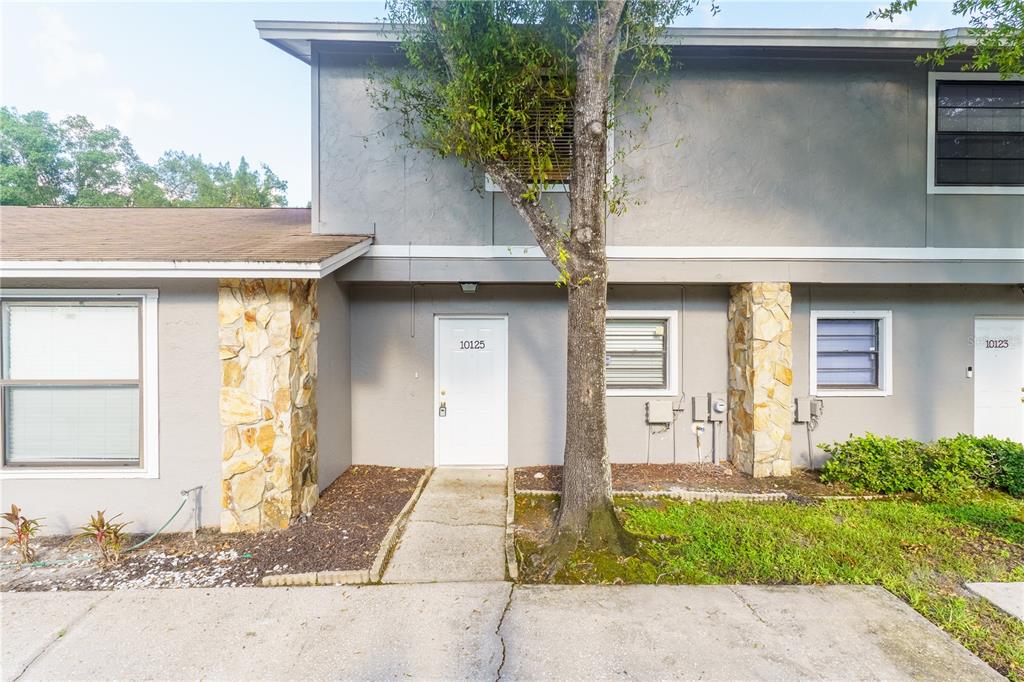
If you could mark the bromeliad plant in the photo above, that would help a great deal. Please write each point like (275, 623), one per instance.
(107, 536)
(22, 530)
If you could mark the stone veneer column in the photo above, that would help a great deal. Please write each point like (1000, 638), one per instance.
(268, 335)
(761, 378)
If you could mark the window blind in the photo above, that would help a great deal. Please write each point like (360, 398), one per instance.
(71, 384)
(979, 133)
(847, 353)
(636, 353)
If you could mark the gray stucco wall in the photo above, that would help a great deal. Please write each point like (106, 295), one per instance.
(190, 440)
(393, 365)
(334, 382)
(393, 355)
(779, 152)
(933, 329)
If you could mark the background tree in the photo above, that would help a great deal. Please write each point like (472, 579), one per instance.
(31, 167)
(188, 181)
(74, 163)
(996, 34)
(101, 165)
(499, 85)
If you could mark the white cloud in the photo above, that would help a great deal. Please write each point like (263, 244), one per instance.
(61, 56)
(78, 78)
(128, 107)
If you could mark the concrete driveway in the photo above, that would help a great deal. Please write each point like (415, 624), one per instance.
(477, 631)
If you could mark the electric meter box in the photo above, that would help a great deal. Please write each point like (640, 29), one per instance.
(659, 412)
(700, 408)
(717, 407)
(803, 410)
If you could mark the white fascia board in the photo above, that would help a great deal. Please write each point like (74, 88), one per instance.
(182, 269)
(723, 253)
(295, 37)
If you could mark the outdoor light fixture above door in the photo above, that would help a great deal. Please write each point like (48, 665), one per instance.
(469, 287)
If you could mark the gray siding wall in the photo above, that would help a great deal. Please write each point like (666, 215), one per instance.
(190, 435)
(334, 382)
(796, 152)
(393, 361)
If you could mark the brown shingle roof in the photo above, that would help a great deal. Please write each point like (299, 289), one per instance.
(165, 234)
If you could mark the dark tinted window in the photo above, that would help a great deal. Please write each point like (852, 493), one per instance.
(979, 133)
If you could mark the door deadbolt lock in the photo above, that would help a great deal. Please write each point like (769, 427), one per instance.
(443, 410)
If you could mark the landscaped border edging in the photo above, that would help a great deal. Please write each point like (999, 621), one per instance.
(511, 564)
(689, 495)
(359, 576)
(720, 496)
(853, 498)
(387, 545)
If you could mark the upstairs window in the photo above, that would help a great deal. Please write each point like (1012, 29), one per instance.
(850, 352)
(640, 352)
(551, 124)
(978, 134)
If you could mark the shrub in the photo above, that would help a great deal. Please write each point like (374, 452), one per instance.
(22, 530)
(875, 464)
(107, 536)
(953, 467)
(947, 468)
(1007, 457)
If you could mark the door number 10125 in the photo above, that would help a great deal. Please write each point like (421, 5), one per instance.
(478, 344)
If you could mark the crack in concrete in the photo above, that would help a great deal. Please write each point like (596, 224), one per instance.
(59, 636)
(497, 631)
(750, 607)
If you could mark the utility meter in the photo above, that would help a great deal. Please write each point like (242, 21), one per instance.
(717, 407)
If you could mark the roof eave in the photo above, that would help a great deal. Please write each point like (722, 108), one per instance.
(179, 269)
(297, 37)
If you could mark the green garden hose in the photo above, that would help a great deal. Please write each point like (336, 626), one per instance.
(90, 557)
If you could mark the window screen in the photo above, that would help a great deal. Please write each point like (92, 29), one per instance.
(71, 382)
(549, 129)
(848, 353)
(979, 133)
(636, 353)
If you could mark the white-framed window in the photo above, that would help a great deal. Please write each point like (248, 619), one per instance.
(559, 176)
(78, 383)
(975, 134)
(642, 352)
(851, 352)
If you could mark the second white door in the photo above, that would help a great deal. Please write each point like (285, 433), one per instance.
(999, 377)
(471, 391)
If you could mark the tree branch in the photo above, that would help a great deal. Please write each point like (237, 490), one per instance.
(541, 224)
(544, 229)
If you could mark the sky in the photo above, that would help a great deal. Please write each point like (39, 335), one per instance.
(196, 77)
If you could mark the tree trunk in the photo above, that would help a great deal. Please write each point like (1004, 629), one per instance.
(586, 512)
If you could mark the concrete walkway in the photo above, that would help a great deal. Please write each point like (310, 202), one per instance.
(456, 531)
(1009, 597)
(484, 631)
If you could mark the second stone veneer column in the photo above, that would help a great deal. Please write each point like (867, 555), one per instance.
(761, 378)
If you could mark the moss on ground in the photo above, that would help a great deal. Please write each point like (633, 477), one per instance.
(921, 552)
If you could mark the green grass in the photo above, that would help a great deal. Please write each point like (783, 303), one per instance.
(921, 552)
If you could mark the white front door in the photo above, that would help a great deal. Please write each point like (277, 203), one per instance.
(471, 391)
(999, 377)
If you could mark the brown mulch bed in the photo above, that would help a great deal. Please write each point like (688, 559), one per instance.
(343, 532)
(703, 477)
